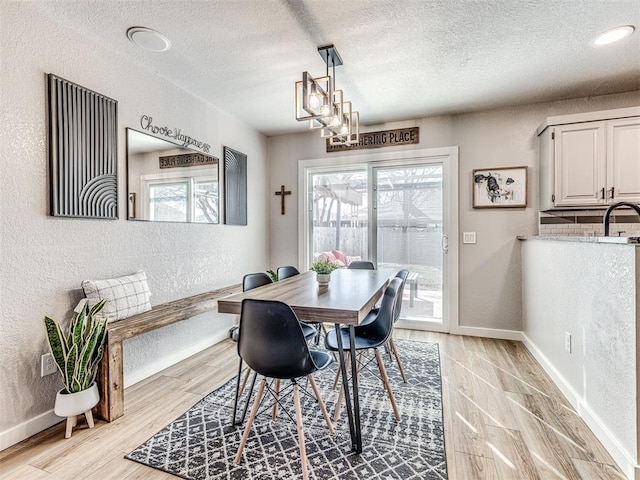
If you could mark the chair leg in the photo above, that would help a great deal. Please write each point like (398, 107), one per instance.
(276, 394)
(389, 349)
(303, 450)
(235, 402)
(360, 355)
(246, 404)
(247, 428)
(397, 355)
(336, 413)
(385, 380)
(323, 408)
(347, 364)
(244, 380)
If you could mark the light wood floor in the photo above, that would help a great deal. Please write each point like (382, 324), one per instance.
(504, 419)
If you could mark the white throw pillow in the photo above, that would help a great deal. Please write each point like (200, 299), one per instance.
(126, 296)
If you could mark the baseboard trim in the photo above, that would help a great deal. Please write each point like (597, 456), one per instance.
(625, 461)
(131, 378)
(47, 419)
(487, 333)
(27, 429)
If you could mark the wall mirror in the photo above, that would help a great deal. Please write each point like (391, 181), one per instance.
(169, 183)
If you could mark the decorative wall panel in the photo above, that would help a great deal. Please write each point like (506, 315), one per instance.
(83, 151)
(235, 187)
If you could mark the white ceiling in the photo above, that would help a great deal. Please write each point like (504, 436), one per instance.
(403, 59)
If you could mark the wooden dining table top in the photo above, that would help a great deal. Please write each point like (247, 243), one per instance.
(347, 299)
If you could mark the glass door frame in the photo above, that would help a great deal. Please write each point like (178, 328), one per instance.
(448, 156)
(373, 233)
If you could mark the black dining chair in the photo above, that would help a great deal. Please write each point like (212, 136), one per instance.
(249, 282)
(277, 349)
(290, 271)
(370, 337)
(286, 272)
(371, 316)
(255, 280)
(361, 265)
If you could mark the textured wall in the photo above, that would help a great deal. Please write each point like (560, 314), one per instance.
(591, 291)
(44, 259)
(490, 293)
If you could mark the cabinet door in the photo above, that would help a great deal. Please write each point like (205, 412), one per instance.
(623, 156)
(580, 164)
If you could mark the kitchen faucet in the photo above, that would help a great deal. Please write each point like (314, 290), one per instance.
(607, 214)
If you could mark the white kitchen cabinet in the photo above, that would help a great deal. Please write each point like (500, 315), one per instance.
(623, 154)
(589, 163)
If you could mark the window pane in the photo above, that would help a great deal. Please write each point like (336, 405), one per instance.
(206, 202)
(409, 235)
(340, 214)
(168, 202)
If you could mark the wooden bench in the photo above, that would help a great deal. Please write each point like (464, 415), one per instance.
(412, 281)
(111, 374)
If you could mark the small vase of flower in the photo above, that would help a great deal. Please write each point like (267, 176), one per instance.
(323, 269)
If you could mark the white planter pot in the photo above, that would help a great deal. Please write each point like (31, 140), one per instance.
(71, 404)
(323, 278)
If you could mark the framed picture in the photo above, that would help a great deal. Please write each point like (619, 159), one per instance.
(83, 151)
(500, 187)
(235, 187)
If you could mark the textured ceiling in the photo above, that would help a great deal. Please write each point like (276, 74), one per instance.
(402, 59)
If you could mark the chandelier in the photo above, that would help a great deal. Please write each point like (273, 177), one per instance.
(319, 102)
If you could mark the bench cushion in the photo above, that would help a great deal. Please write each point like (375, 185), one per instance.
(126, 296)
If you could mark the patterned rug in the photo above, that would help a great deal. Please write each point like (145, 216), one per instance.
(201, 444)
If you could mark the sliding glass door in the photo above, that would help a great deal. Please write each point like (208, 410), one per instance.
(397, 210)
(407, 232)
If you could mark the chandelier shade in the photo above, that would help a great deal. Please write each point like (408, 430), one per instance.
(319, 102)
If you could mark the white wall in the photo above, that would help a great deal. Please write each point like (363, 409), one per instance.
(490, 292)
(591, 291)
(44, 259)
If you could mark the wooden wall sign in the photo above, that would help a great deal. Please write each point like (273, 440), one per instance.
(383, 138)
(187, 160)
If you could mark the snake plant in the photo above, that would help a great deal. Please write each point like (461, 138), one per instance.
(78, 352)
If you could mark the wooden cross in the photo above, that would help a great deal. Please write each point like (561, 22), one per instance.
(282, 193)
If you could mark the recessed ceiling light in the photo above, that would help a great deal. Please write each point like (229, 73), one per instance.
(613, 35)
(148, 39)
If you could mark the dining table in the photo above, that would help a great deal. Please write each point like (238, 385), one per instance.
(344, 301)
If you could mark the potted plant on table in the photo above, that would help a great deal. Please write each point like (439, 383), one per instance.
(323, 269)
(77, 354)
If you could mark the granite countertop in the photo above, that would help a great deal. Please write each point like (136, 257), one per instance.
(566, 238)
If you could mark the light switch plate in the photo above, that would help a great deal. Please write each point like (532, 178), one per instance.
(468, 237)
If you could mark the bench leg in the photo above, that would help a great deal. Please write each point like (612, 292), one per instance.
(111, 383)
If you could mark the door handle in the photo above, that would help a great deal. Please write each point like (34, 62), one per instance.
(445, 243)
(611, 197)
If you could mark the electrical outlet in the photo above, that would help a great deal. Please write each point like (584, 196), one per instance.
(47, 365)
(567, 342)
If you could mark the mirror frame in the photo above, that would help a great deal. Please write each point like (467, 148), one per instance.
(132, 198)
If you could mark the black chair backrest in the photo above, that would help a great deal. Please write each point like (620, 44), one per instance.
(275, 346)
(402, 274)
(286, 272)
(361, 265)
(380, 328)
(255, 280)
